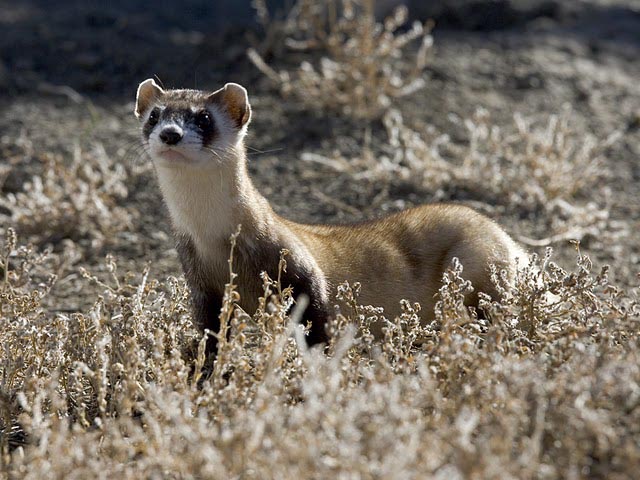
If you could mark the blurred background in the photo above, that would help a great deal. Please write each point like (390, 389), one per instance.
(99, 47)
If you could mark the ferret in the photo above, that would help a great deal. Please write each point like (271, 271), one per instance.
(196, 142)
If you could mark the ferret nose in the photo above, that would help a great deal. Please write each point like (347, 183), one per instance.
(170, 135)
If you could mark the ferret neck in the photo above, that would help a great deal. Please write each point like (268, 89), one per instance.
(209, 202)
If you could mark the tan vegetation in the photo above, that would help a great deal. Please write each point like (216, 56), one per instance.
(362, 66)
(529, 167)
(542, 387)
(77, 198)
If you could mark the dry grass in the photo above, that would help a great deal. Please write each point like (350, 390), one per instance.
(543, 167)
(547, 386)
(78, 198)
(353, 64)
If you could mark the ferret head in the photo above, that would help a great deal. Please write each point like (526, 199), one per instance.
(192, 127)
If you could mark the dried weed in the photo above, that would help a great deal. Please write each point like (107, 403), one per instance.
(78, 199)
(531, 168)
(545, 384)
(353, 64)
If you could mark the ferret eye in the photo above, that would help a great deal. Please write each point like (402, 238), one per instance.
(154, 116)
(203, 120)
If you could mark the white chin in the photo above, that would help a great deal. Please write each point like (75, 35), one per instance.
(173, 157)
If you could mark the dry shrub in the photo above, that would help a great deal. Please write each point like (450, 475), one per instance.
(78, 199)
(530, 167)
(545, 385)
(353, 64)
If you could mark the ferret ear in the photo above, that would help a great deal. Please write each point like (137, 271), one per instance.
(148, 92)
(234, 99)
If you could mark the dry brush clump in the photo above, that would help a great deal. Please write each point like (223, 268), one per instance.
(352, 64)
(530, 167)
(78, 198)
(545, 384)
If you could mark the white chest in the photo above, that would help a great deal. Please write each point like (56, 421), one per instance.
(202, 202)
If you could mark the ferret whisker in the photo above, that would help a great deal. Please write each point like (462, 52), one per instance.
(135, 152)
(214, 153)
(256, 151)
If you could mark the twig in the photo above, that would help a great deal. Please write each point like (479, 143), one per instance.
(64, 90)
(340, 205)
(573, 234)
(263, 67)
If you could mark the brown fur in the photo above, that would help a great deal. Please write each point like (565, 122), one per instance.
(401, 256)
(405, 255)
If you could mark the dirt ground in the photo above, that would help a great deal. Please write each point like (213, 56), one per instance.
(68, 78)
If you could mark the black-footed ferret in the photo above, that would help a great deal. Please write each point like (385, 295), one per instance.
(195, 139)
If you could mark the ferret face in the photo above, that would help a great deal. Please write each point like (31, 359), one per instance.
(187, 128)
